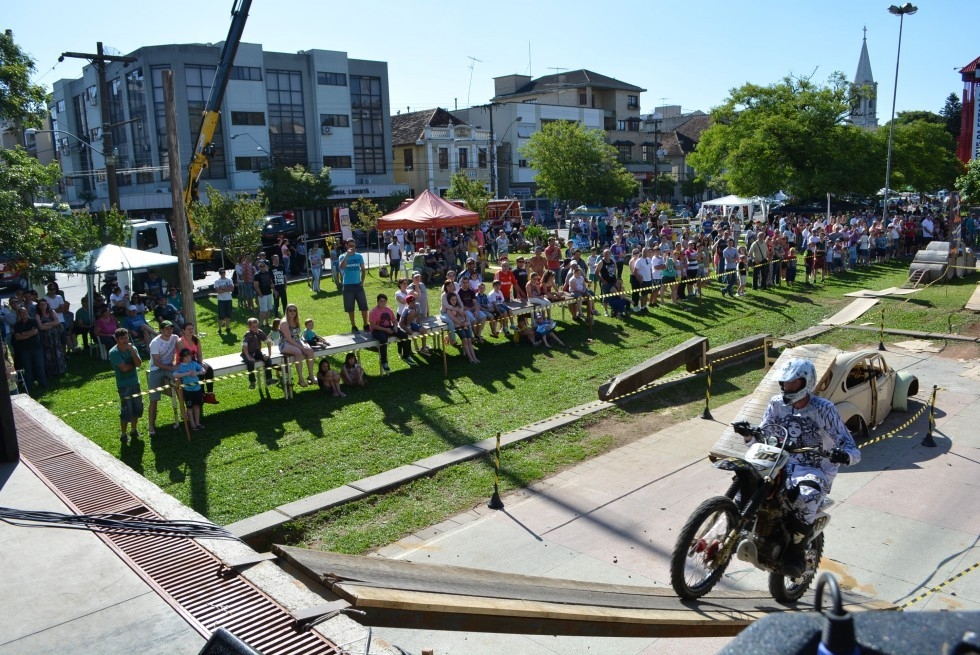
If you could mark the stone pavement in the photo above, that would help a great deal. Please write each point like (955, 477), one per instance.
(906, 519)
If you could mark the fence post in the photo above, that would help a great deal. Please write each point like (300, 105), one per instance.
(928, 441)
(495, 502)
(881, 331)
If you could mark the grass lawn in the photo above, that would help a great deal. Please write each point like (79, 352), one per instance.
(258, 452)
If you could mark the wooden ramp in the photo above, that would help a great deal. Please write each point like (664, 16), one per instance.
(857, 307)
(974, 303)
(399, 593)
(731, 444)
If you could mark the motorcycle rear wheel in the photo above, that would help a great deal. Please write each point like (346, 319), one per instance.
(789, 590)
(694, 565)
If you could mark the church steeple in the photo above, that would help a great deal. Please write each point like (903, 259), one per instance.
(865, 113)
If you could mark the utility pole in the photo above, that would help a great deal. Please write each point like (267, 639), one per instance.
(99, 60)
(179, 220)
(493, 155)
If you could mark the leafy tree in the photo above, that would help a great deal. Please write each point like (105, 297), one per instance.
(232, 224)
(792, 135)
(923, 155)
(474, 192)
(294, 187)
(908, 117)
(575, 163)
(21, 102)
(952, 113)
(365, 215)
(968, 184)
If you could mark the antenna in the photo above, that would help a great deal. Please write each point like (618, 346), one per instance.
(472, 65)
(529, 59)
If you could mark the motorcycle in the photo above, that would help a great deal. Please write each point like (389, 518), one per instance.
(749, 521)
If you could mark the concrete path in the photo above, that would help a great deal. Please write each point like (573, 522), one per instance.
(907, 518)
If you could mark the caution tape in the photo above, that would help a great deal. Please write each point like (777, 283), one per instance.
(894, 433)
(925, 594)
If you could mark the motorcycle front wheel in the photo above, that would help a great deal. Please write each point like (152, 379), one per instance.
(789, 590)
(698, 560)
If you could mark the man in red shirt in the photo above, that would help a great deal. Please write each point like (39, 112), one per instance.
(506, 278)
(553, 254)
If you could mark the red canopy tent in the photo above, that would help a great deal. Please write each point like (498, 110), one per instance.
(429, 212)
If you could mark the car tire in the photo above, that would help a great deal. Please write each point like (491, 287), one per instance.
(858, 428)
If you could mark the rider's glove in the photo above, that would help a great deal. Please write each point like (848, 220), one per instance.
(839, 456)
(746, 429)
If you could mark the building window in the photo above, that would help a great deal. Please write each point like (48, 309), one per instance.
(251, 163)
(632, 102)
(199, 80)
(481, 158)
(583, 98)
(522, 163)
(247, 118)
(60, 107)
(443, 159)
(160, 120)
(409, 156)
(287, 119)
(621, 125)
(338, 161)
(246, 73)
(332, 79)
(120, 133)
(367, 116)
(625, 152)
(633, 124)
(464, 158)
(648, 153)
(334, 120)
(142, 150)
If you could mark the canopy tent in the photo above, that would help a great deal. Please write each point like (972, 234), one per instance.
(729, 206)
(112, 259)
(429, 212)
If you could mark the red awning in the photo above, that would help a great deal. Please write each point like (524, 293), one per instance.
(428, 212)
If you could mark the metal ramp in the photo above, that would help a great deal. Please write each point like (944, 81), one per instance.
(405, 594)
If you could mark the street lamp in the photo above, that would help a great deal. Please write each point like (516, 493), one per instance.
(494, 172)
(31, 131)
(907, 9)
(259, 146)
(656, 117)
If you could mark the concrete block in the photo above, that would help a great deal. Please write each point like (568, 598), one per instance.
(257, 524)
(390, 478)
(321, 501)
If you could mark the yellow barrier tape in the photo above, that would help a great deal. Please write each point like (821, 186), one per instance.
(925, 594)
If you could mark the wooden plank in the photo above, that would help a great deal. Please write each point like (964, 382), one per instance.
(973, 304)
(858, 307)
(656, 367)
(735, 351)
(433, 596)
(731, 444)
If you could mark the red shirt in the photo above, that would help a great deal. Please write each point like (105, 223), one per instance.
(382, 317)
(553, 253)
(507, 280)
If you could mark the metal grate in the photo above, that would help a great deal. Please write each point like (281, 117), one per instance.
(182, 572)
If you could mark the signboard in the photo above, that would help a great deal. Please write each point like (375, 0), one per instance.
(345, 230)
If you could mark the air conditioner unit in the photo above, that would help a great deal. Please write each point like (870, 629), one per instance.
(326, 130)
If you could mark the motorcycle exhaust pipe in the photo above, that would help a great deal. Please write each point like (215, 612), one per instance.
(747, 552)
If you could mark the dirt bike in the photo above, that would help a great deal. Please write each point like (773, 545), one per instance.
(750, 522)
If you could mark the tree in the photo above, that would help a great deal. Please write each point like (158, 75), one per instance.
(575, 163)
(21, 102)
(294, 187)
(908, 117)
(923, 156)
(968, 184)
(232, 224)
(474, 192)
(793, 135)
(952, 113)
(365, 217)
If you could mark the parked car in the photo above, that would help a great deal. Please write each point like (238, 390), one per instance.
(12, 273)
(278, 225)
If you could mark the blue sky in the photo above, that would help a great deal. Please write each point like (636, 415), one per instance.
(690, 53)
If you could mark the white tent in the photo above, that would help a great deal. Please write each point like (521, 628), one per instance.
(730, 206)
(113, 259)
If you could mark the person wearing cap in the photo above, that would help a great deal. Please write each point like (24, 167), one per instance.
(137, 325)
(410, 320)
(224, 288)
(163, 351)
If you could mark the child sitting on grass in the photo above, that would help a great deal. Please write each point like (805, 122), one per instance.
(310, 337)
(351, 372)
(546, 327)
(329, 379)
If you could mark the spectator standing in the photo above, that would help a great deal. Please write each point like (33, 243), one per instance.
(125, 362)
(394, 253)
(286, 255)
(163, 352)
(50, 327)
(421, 293)
(279, 273)
(28, 352)
(730, 268)
(264, 285)
(224, 288)
(188, 373)
(190, 341)
(352, 266)
(316, 266)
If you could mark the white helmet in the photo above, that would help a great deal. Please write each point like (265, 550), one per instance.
(795, 369)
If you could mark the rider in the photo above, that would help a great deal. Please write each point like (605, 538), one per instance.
(810, 422)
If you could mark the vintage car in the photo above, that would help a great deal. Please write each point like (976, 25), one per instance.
(860, 383)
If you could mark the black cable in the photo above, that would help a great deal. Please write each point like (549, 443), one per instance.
(116, 524)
